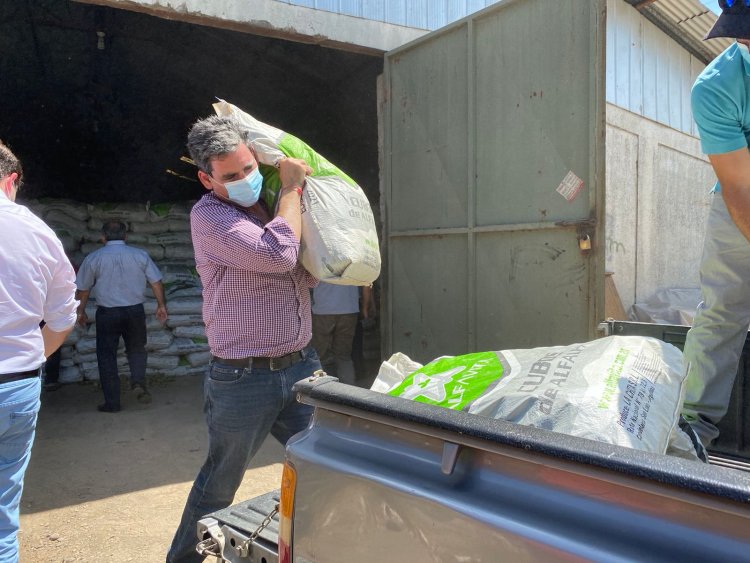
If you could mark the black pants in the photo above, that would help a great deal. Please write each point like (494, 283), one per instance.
(52, 367)
(111, 323)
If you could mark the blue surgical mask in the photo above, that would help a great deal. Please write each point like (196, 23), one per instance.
(245, 192)
(744, 51)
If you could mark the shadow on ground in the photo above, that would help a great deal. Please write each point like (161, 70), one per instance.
(82, 455)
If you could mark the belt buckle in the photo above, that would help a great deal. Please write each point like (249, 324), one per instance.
(275, 363)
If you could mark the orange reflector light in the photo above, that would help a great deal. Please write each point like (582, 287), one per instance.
(286, 512)
(288, 485)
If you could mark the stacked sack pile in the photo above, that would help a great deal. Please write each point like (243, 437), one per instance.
(162, 230)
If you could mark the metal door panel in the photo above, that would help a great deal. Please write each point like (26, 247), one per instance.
(429, 293)
(430, 150)
(482, 121)
(534, 124)
(512, 277)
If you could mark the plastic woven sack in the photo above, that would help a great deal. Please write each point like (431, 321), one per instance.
(624, 390)
(339, 240)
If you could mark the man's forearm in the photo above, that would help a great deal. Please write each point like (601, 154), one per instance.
(290, 210)
(292, 172)
(368, 304)
(158, 289)
(83, 296)
(53, 340)
(161, 302)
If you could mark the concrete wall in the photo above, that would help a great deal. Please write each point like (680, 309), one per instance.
(658, 183)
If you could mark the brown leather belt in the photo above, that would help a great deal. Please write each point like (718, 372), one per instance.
(8, 377)
(280, 362)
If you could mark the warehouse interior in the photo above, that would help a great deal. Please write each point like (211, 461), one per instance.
(98, 100)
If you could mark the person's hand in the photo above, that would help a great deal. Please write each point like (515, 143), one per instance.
(292, 171)
(161, 314)
(82, 318)
(369, 313)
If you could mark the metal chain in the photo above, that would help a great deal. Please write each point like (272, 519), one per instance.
(266, 521)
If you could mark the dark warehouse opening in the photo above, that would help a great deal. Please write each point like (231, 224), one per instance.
(98, 100)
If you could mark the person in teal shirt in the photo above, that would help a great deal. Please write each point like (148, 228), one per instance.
(721, 109)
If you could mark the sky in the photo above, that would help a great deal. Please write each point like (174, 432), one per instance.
(713, 5)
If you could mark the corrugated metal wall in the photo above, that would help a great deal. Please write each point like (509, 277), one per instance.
(648, 73)
(423, 14)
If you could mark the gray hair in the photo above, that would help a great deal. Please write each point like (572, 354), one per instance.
(114, 230)
(215, 136)
(9, 163)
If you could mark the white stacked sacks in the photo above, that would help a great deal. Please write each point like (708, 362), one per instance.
(163, 230)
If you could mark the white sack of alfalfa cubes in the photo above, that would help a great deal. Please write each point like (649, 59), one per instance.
(339, 240)
(624, 390)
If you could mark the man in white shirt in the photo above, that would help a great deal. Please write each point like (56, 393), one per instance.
(37, 283)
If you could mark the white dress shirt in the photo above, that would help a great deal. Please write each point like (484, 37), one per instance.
(37, 283)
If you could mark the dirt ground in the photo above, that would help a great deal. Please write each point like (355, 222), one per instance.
(111, 487)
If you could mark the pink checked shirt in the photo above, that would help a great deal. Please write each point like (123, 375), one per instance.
(256, 298)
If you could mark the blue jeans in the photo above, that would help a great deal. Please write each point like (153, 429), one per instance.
(242, 406)
(19, 406)
(111, 323)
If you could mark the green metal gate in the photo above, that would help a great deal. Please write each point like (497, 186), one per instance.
(493, 179)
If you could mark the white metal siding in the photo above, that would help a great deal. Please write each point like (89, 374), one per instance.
(648, 73)
(422, 14)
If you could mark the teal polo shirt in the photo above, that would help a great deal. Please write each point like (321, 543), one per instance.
(721, 103)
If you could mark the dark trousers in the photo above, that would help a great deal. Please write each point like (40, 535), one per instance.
(52, 367)
(111, 324)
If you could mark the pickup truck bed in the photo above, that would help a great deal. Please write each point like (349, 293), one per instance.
(380, 478)
(373, 468)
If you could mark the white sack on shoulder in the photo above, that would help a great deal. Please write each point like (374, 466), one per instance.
(339, 242)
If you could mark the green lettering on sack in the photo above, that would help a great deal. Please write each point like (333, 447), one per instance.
(613, 378)
(452, 383)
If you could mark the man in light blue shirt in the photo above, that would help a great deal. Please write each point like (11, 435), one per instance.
(721, 108)
(117, 275)
(335, 310)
